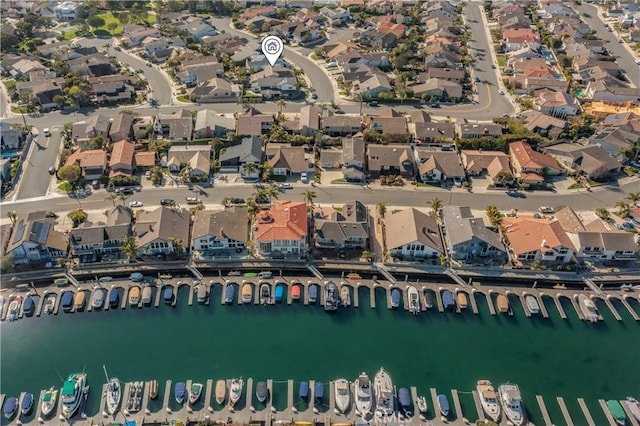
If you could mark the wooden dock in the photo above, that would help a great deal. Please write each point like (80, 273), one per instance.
(630, 416)
(248, 393)
(607, 413)
(559, 307)
(476, 400)
(576, 306)
(207, 395)
(312, 401)
(543, 410)
(565, 413)
(585, 411)
(434, 402)
(270, 400)
(630, 309)
(290, 394)
(456, 404)
(38, 407)
(372, 296)
(473, 303)
(103, 401)
(492, 308)
(613, 310)
(543, 308)
(145, 397)
(166, 396)
(438, 295)
(523, 302)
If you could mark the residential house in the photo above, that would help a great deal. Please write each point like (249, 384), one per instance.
(439, 166)
(468, 238)
(337, 16)
(556, 104)
(275, 83)
(156, 50)
(309, 121)
(286, 160)
(10, 139)
(391, 160)
(253, 123)
(431, 133)
(197, 158)
(121, 127)
(541, 240)
(5, 170)
(493, 164)
(443, 59)
(135, 38)
(342, 229)
(197, 28)
(610, 91)
(448, 74)
(34, 240)
(480, 130)
(412, 234)
(122, 159)
(210, 124)
(116, 89)
(353, 158)
(97, 125)
(589, 160)
(45, 93)
(177, 126)
(281, 229)
(517, 38)
(234, 158)
(543, 124)
(531, 166)
(372, 85)
(215, 231)
(438, 88)
(163, 231)
(604, 246)
(90, 241)
(331, 158)
(216, 90)
(92, 162)
(67, 11)
(199, 70)
(388, 122)
(145, 160)
(340, 125)
(377, 40)
(615, 141)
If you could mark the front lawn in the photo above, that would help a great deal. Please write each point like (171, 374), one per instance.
(501, 61)
(105, 23)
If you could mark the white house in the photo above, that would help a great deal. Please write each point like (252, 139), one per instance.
(214, 231)
(66, 11)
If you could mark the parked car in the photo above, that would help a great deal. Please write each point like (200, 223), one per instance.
(285, 186)
(434, 105)
(501, 92)
(125, 191)
(192, 200)
(135, 203)
(546, 209)
(238, 202)
(303, 177)
(46, 132)
(52, 170)
(167, 202)
(373, 103)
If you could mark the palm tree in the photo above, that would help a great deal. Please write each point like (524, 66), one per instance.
(248, 169)
(309, 196)
(129, 247)
(271, 191)
(634, 197)
(603, 213)
(368, 256)
(266, 171)
(226, 202)
(436, 205)
(177, 245)
(281, 104)
(113, 196)
(494, 215)
(382, 208)
(12, 216)
(623, 208)
(386, 256)
(360, 97)
(252, 207)
(121, 196)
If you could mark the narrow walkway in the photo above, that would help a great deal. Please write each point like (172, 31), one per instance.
(455, 277)
(196, 273)
(385, 273)
(316, 273)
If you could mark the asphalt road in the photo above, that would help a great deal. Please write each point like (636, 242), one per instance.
(620, 50)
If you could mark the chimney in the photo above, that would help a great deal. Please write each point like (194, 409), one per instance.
(544, 243)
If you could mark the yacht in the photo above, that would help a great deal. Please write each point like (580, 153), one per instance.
(588, 308)
(26, 403)
(262, 392)
(265, 293)
(421, 402)
(331, 296)
(147, 294)
(10, 407)
(385, 395)
(363, 395)
(153, 389)
(97, 299)
(236, 391)
(488, 399)
(414, 300)
(443, 405)
(49, 303)
(49, 400)
(202, 293)
(633, 407)
(345, 296)
(71, 393)
(134, 296)
(247, 292)
(532, 304)
(511, 403)
(14, 308)
(617, 412)
(343, 395)
(221, 391)
(179, 392)
(194, 393)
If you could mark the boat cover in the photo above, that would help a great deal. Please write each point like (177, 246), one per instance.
(180, 390)
(279, 292)
(29, 305)
(229, 292)
(447, 299)
(313, 291)
(167, 294)
(318, 390)
(261, 389)
(113, 296)
(67, 299)
(10, 406)
(395, 297)
(443, 402)
(303, 391)
(404, 398)
(26, 401)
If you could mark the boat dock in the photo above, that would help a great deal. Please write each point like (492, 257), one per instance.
(565, 413)
(543, 410)
(478, 404)
(630, 416)
(585, 411)
(456, 404)
(607, 413)
(556, 299)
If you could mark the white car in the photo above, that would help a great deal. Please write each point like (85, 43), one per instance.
(135, 203)
(285, 186)
(546, 209)
(46, 132)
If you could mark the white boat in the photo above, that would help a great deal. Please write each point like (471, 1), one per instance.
(195, 392)
(49, 401)
(363, 395)
(633, 407)
(49, 303)
(385, 394)
(221, 391)
(114, 393)
(414, 300)
(588, 308)
(345, 296)
(488, 399)
(343, 395)
(532, 304)
(14, 308)
(153, 389)
(71, 393)
(235, 393)
(421, 402)
(511, 402)
(97, 298)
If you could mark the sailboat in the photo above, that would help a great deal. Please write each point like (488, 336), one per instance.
(114, 393)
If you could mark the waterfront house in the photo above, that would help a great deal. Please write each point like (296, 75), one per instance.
(541, 240)
(468, 238)
(234, 158)
(215, 231)
(281, 229)
(532, 166)
(340, 229)
(604, 246)
(411, 234)
(92, 162)
(35, 241)
(163, 231)
(89, 241)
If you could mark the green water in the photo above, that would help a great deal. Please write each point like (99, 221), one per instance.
(551, 357)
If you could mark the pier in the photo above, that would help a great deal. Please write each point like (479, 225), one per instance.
(585, 411)
(456, 404)
(478, 404)
(492, 308)
(606, 411)
(556, 299)
(543, 410)
(565, 413)
(630, 416)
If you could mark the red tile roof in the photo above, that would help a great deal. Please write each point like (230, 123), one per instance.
(285, 220)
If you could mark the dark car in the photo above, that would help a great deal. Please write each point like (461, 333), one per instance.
(586, 15)
(126, 191)
(167, 202)
(52, 170)
(238, 201)
(516, 194)
(434, 105)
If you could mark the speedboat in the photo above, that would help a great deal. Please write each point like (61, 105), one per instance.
(167, 295)
(10, 407)
(71, 393)
(404, 397)
(97, 299)
(195, 392)
(79, 300)
(14, 308)
(443, 405)
(488, 399)
(343, 395)
(318, 392)
(247, 293)
(396, 295)
(588, 308)
(617, 412)
(265, 293)
(448, 302)
(221, 391)
(345, 296)
(414, 300)
(179, 392)
(153, 389)
(363, 395)
(49, 400)
(147, 295)
(235, 392)
(201, 295)
(26, 404)
(303, 390)
(134, 296)
(462, 299)
(503, 303)
(511, 403)
(114, 396)
(532, 304)
(262, 392)
(29, 306)
(331, 296)
(428, 297)
(114, 297)
(296, 291)
(313, 293)
(49, 303)
(421, 401)
(634, 407)
(229, 293)
(385, 395)
(279, 294)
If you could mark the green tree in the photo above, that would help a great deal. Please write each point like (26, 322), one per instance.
(177, 244)
(623, 208)
(603, 213)
(6, 263)
(367, 255)
(281, 104)
(70, 172)
(309, 197)
(382, 208)
(77, 216)
(634, 197)
(249, 169)
(129, 247)
(494, 215)
(95, 21)
(436, 205)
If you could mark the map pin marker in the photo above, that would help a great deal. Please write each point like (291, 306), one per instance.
(272, 48)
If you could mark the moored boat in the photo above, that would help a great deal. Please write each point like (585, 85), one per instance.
(488, 399)
(396, 295)
(235, 392)
(195, 392)
(26, 403)
(331, 297)
(303, 390)
(296, 290)
(202, 293)
(49, 303)
(49, 400)
(511, 401)
(503, 303)
(588, 308)
(221, 391)
(180, 392)
(147, 294)
(229, 293)
(10, 407)
(462, 299)
(134, 296)
(167, 294)
(342, 395)
(422, 404)
(404, 397)
(345, 296)
(313, 293)
(384, 394)
(363, 395)
(279, 293)
(247, 293)
(443, 405)
(29, 306)
(71, 393)
(318, 392)
(448, 302)
(414, 300)
(265, 293)
(114, 297)
(633, 406)
(14, 308)
(428, 297)
(532, 304)
(617, 412)
(97, 298)
(153, 389)
(262, 392)
(113, 393)
(79, 300)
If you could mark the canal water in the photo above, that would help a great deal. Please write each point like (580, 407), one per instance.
(549, 357)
